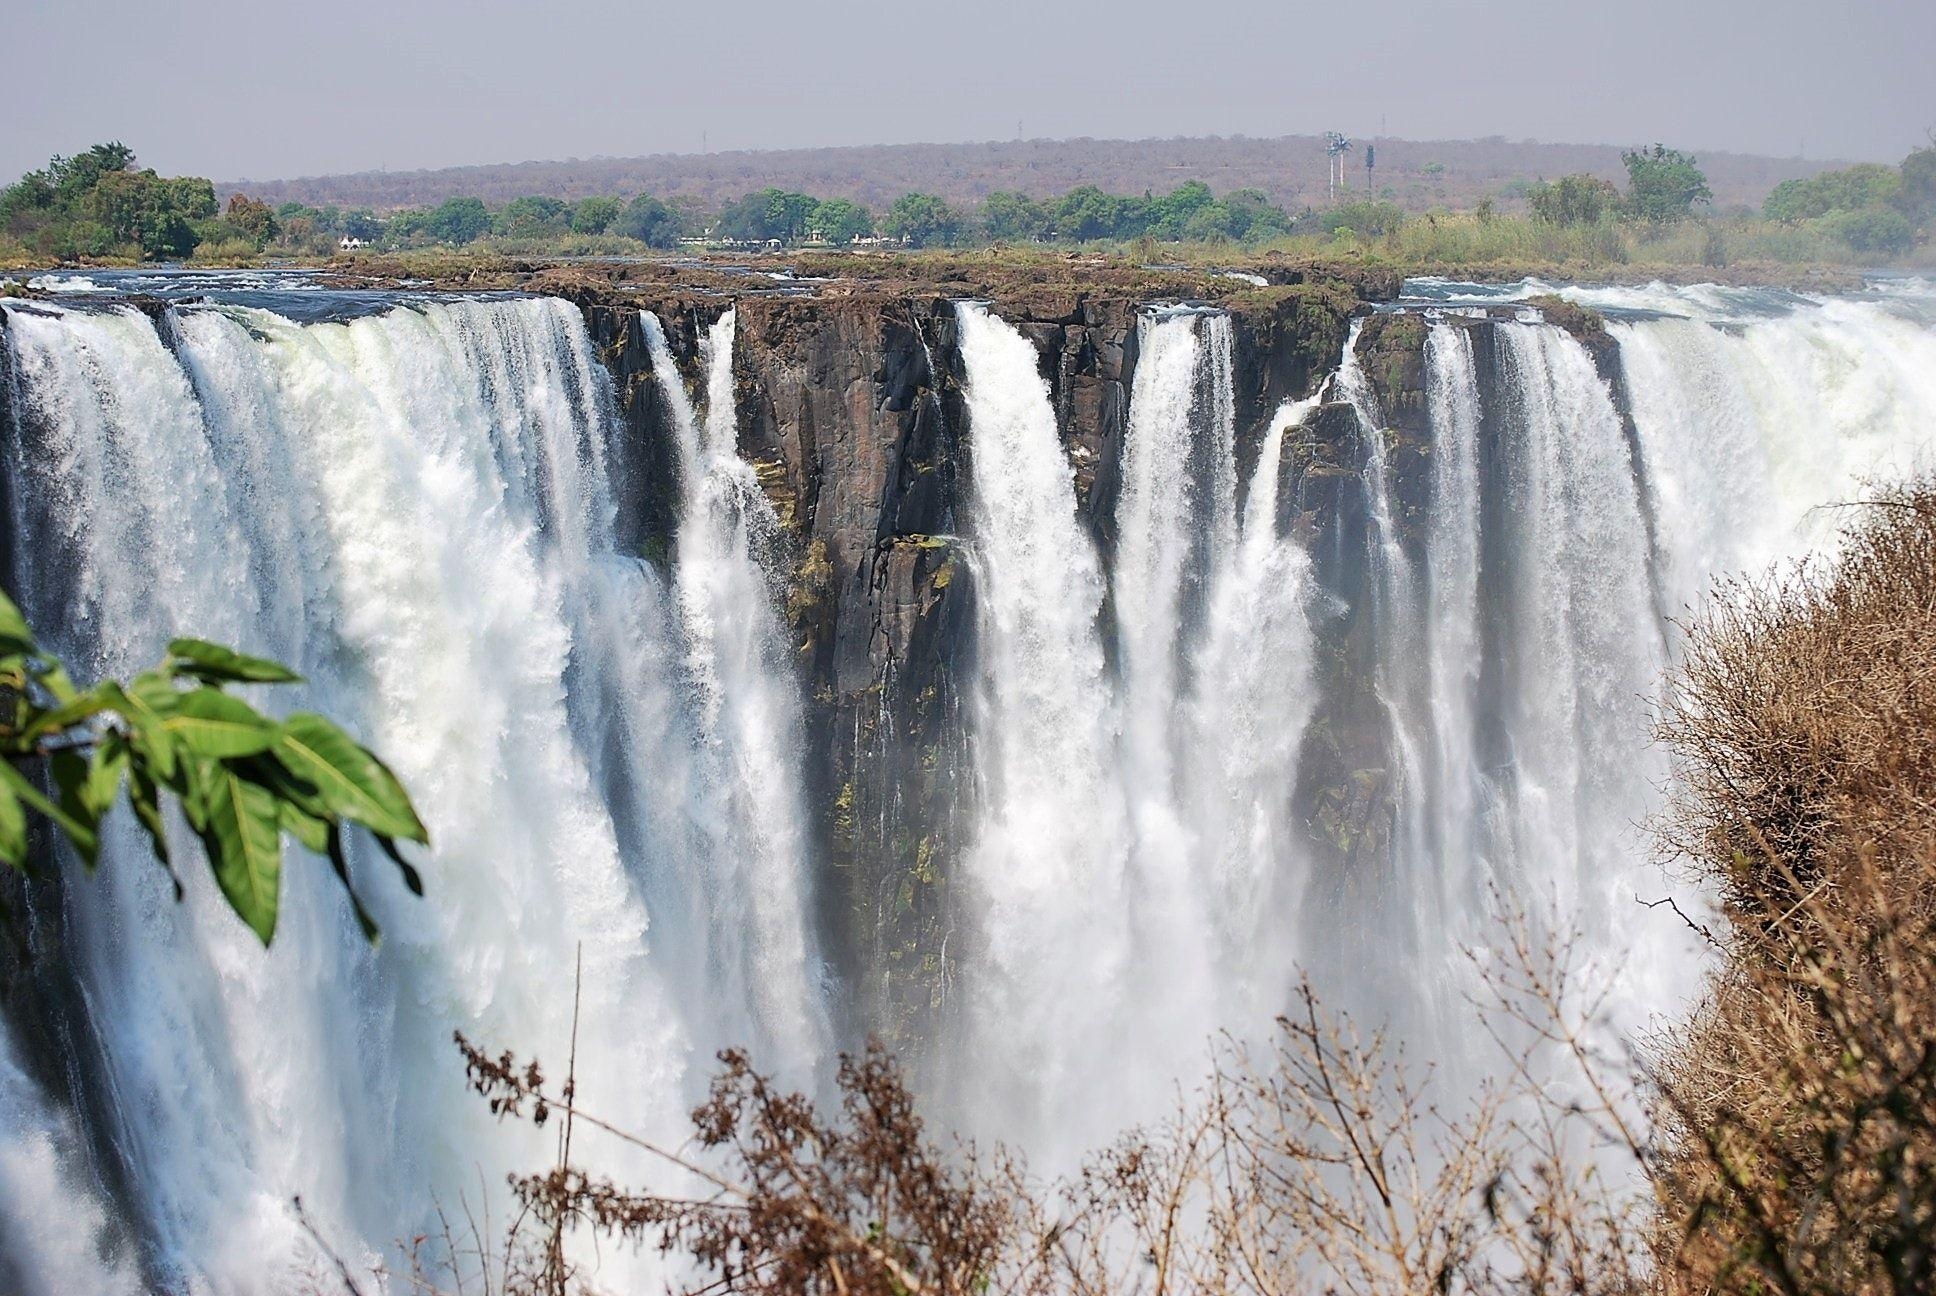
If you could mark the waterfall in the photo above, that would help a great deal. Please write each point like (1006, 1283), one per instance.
(416, 510)
(422, 509)
(1128, 866)
(1046, 865)
(748, 718)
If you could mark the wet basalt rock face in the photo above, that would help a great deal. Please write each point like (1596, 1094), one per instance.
(851, 411)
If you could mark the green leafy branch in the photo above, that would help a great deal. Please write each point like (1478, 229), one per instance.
(241, 778)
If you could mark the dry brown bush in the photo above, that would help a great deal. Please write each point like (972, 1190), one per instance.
(1320, 1161)
(1799, 1111)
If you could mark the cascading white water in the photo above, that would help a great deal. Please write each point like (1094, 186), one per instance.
(1128, 859)
(1455, 791)
(416, 510)
(748, 719)
(56, 1234)
(1254, 694)
(1518, 665)
(1046, 867)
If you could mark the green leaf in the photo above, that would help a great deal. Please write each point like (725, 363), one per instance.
(13, 828)
(411, 878)
(244, 843)
(69, 714)
(303, 826)
(81, 834)
(209, 722)
(352, 781)
(70, 776)
(191, 789)
(155, 690)
(150, 739)
(146, 800)
(104, 771)
(342, 866)
(15, 635)
(53, 677)
(214, 663)
(152, 743)
(269, 771)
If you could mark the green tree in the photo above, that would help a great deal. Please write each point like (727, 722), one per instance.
(406, 225)
(595, 215)
(254, 220)
(922, 219)
(158, 214)
(1663, 184)
(242, 779)
(1577, 199)
(1014, 217)
(362, 223)
(840, 221)
(1851, 189)
(531, 217)
(1087, 213)
(649, 221)
(458, 221)
(1916, 197)
(1170, 216)
(769, 214)
(1250, 214)
(1880, 231)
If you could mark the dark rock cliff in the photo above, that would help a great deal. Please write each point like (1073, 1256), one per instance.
(851, 412)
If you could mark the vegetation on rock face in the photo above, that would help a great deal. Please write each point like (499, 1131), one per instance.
(242, 779)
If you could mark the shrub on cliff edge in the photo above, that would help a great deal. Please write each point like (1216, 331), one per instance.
(1800, 1110)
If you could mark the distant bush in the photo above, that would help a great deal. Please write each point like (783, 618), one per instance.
(1877, 230)
(532, 217)
(1574, 200)
(1014, 218)
(1663, 185)
(649, 221)
(595, 215)
(923, 220)
(839, 221)
(458, 221)
(1857, 187)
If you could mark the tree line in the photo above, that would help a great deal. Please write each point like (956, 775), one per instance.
(100, 205)
(1871, 208)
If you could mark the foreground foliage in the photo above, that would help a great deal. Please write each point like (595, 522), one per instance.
(242, 779)
(1801, 1110)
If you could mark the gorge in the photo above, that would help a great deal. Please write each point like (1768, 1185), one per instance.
(1033, 675)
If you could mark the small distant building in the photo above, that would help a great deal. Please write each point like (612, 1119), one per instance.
(348, 243)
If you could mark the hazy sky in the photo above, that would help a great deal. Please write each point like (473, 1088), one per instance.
(259, 89)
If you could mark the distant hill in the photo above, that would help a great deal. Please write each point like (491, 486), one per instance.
(1292, 169)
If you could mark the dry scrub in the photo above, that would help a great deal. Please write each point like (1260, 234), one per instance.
(1800, 1111)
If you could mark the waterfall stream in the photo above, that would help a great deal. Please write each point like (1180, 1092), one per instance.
(415, 510)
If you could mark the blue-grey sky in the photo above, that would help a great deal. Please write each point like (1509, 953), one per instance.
(262, 89)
